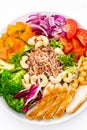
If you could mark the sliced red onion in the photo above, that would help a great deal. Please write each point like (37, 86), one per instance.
(39, 27)
(47, 25)
(51, 21)
(44, 24)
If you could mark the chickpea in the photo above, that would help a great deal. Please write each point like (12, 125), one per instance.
(76, 81)
(74, 85)
(83, 58)
(85, 67)
(86, 78)
(81, 69)
(84, 63)
(86, 58)
(81, 79)
(83, 74)
(84, 83)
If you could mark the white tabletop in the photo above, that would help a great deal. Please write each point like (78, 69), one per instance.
(11, 9)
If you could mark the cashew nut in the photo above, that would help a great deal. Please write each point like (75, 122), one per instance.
(25, 85)
(79, 63)
(38, 41)
(51, 85)
(32, 40)
(38, 44)
(48, 87)
(43, 39)
(43, 79)
(68, 79)
(56, 80)
(26, 78)
(34, 79)
(23, 62)
(65, 85)
(58, 51)
(58, 85)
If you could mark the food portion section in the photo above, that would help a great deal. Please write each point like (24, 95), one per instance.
(43, 66)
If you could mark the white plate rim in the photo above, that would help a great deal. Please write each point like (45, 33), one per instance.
(24, 18)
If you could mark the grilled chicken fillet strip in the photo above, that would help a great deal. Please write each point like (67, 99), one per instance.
(79, 98)
(31, 114)
(50, 112)
(68, 98)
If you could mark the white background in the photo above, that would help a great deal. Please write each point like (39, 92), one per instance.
(11, 9)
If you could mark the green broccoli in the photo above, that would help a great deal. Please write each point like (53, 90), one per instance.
(1, 89)
(12, 82)
(16, 104)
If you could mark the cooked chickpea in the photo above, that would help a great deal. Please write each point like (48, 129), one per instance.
(81, 57)
(81, 79)
(84, 63)
(85, 67)
(74, 85)
(86, 58)
(86, 78)
(84, 83)
(81, 69)
(83, 74)
(76, 81)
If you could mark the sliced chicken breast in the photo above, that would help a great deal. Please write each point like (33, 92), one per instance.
(79, 98)
(68, 98)
(50, 112)
(31, 114)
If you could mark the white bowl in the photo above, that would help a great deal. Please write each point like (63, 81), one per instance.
(65, 117)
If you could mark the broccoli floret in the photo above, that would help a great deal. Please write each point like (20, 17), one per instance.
(12, 82)
(16, 104)
(1, 89)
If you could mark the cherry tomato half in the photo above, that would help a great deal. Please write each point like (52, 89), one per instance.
(76, 43)
(82, 36)
(67, 44)
(71, 28)
(79, 52)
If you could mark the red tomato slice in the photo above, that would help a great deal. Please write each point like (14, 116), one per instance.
(67, 44)
(71, 28)
(82, 36)
(76, 43)
(79, 52)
